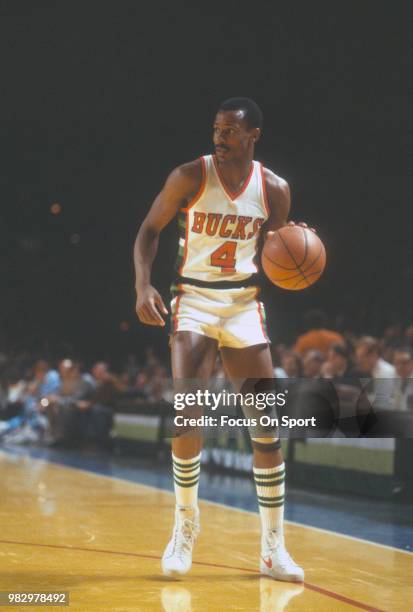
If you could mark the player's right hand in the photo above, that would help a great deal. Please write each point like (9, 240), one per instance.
(149, 304)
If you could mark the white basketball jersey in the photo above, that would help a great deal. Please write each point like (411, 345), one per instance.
(219, 229)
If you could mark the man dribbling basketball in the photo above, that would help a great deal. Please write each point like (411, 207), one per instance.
(224, 202)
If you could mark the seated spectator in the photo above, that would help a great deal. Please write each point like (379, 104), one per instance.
(391, 338)
(82, 413)
(291, 366)
(64, 410)
(312, 364)
(317, 336)
(29, 426)
(159, 387)
(14, 394)
(141, 389)
(99, 408)
(369, 361)
(106, 384)
(338, 365)
(408, 336)
(403, 388)
(277, 351)
(339, 369)
(370, 365)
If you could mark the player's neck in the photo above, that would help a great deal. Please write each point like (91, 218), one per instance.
(235, 172)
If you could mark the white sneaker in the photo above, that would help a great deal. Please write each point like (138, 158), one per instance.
(177, 558)
(275, 560)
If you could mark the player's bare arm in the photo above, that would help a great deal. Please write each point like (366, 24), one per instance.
(279, 200)
(181, 185)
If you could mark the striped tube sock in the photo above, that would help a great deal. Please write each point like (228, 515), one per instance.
(186, 479)
(270, 493)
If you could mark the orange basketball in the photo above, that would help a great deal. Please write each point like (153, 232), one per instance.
(293, 258)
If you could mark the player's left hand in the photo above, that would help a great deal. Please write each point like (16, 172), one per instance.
(302, 224)
(271, 233)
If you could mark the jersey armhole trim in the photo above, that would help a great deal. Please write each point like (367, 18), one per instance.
(264, 190)
(201, 189)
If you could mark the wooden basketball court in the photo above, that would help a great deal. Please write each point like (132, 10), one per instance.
(101, 539)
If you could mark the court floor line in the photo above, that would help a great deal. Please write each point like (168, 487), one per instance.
(311, 587)
(311, 527)
(153, 488)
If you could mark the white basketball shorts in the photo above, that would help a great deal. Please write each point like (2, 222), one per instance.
(233, 317)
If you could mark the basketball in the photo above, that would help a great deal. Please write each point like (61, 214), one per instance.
(293, 258)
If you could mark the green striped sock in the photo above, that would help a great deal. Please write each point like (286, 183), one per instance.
(186, 479)
(270, 493)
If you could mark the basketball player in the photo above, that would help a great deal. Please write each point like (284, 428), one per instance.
(224, 201)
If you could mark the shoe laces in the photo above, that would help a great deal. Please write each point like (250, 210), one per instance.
(185, 534)
(276, 545)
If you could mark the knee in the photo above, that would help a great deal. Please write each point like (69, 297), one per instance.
(266, 445)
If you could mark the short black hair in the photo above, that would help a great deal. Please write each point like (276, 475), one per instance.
(253, 114)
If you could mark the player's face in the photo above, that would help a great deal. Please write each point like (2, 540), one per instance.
(232, 137)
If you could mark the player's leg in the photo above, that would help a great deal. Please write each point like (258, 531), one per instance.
(193, 357)
(252, 363)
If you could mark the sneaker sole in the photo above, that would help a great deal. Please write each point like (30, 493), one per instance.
(283, 577)
(173, 573)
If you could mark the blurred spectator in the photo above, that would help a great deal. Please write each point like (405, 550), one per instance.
(134, 389)
(291, 365)
(391, 338)
(106, 384)
(80, 405)
(312, 364)
(317, 336)
(29, 426)
(98, 415)
(338, 365)
(159, 386)
(277, 351)
(74, 384)
(64, 410)
(130, 371)
(403, 389)
(368, 359)
(142, 383)
(371, 365)
(408, 336)
(14, 394)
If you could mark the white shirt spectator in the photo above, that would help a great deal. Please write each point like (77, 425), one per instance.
(383, 369)
(384, 375)
(403, 390)
(403, 385)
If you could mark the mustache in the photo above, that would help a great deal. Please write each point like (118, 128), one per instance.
(223, 147)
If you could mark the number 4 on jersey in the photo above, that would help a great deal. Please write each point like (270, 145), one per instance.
(224, 257)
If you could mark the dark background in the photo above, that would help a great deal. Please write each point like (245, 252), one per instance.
(100, 100)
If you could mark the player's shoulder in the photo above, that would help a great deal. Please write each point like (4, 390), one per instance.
(189, 171)
(274, 182)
